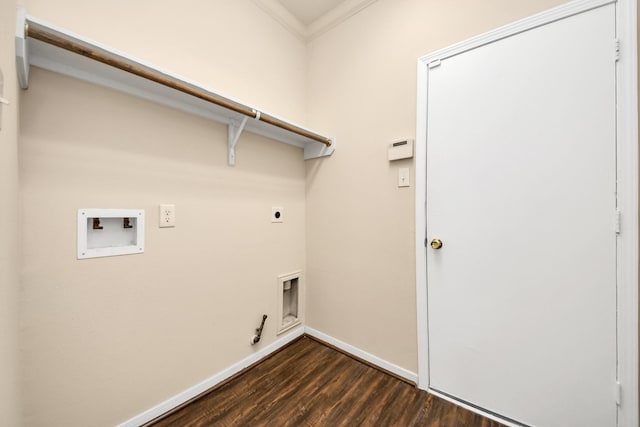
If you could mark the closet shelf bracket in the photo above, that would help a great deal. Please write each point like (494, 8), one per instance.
(234, 131)
(42, 45)
(22, 52)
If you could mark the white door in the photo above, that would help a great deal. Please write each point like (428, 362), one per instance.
(521, 190)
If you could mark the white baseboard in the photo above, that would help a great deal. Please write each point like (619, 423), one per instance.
(404, 373)
(381, 363)
(205, 385)
(507, 422)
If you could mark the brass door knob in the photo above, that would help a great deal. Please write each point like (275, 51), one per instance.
(436, 243)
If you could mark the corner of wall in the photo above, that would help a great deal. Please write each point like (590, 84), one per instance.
(10, 404)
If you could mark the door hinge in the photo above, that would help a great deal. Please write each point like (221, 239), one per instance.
(618, 220)
(618, 393)
(616, 44)
(435, 63)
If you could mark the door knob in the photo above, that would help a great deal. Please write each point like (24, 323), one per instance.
(436, 243)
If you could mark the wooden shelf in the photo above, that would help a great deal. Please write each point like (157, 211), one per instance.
(45, 46)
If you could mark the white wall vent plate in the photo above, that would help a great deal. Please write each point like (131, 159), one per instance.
(290, 301)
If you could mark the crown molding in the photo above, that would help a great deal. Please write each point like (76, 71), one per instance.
(336, 16)
(324, 23)
(285, 18)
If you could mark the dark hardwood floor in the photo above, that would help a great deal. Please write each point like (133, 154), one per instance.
(310, 384)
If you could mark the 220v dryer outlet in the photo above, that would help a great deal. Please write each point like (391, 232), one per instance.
(277, 214)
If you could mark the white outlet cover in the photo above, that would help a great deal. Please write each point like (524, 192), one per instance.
(167, 215)
(277, 214)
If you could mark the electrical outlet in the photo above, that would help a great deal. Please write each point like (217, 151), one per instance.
(277, 214)
(167, 216)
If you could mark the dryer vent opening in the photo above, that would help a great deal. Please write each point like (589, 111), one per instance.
(289, 301)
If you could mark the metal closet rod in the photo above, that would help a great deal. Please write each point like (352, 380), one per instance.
(37, 32)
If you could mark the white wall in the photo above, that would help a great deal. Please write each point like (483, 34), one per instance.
(108, 338)
(360, 225)
(9, 245)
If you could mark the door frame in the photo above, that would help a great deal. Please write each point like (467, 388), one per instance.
(627, 174)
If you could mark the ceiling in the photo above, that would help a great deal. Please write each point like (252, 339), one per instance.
(308, 11)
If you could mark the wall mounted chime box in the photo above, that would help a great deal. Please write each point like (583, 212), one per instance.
(110, 232)
(402, 149)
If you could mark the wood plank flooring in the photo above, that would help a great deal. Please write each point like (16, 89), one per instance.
(310, 384)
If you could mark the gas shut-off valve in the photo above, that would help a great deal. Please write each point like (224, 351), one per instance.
(256, 338)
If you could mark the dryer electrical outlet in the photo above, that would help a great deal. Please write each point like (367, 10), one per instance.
(277, 214)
